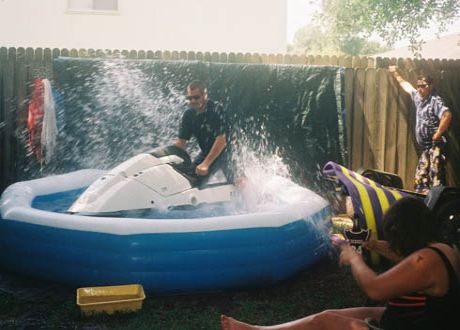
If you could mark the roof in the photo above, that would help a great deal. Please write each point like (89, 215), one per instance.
(447, 47)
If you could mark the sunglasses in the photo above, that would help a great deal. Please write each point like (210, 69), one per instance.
(422, 86)
(194, 97)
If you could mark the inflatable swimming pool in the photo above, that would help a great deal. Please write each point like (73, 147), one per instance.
(165, 255)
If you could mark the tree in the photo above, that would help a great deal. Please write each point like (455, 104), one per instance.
(321, 40)
(391, 20)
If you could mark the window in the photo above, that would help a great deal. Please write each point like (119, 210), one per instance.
(92, 5)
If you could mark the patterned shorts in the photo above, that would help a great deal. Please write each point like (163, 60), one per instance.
(431, 169)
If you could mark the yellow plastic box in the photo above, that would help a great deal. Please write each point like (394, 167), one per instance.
(110, 299)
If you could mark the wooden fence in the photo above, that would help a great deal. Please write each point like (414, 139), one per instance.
(380, 116)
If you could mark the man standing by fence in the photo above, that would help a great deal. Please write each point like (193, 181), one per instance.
(432, 120)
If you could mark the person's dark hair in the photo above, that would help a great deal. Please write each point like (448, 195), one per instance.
(409, 225)
(428, 79)
(197, 85)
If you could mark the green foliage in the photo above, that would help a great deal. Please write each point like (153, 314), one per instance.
(319, 40)
(391, 20)
(345, 26)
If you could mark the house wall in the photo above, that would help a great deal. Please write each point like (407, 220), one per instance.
(201, 25)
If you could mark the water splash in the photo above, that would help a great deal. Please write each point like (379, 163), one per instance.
(117, 112)
(121, 109)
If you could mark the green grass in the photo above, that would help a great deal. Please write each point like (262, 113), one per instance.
(322, 286)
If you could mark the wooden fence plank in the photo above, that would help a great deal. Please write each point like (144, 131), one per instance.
(382, 113)
(73, 52)
(141, 55)
(391, 132)
(8, 115)
(150, 54)
(348, 85)
(91, 53)
(82, 53)
(248, 58)
(4, 179)
(231, 58)
(403, 132)
(370, 129)
(449, 91)
(65, 52)
(411, 156)
(223, 57)
(358, 119)
(191, 56)
(346, 61)
(239, 58)
(132, 54)
(334, 60)
(22, 87)
(38, 71)
(125, 53)
(264, 58)
(48, 63)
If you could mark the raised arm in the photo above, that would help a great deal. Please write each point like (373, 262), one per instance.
(405, 85)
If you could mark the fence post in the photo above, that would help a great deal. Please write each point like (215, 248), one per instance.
(9, 59)
(3, 124)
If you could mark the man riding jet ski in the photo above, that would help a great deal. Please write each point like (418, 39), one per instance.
(159, 180)
(166, 179)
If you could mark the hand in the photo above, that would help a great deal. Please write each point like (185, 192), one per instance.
(337, 240)
(202, 169)
(393, 68)
(375, 245)
(437, 137)
(348, 254)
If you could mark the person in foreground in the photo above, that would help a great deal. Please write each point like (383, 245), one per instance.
(206, 121)
(422, 289)
(432, 121)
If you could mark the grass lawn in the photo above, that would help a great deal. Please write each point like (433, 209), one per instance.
(31, 304)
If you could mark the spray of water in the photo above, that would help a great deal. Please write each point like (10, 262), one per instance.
(121, 110)
(117, 111)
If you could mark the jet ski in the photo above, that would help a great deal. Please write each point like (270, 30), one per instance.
(160, 180)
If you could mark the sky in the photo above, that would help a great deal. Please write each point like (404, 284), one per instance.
(299, 14)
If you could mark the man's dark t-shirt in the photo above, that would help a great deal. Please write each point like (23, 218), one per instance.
(205, 126)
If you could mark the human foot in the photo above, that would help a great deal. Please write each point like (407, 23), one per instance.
(229, 323)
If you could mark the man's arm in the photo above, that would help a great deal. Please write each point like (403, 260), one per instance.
(216, 149)
(412, 274)
(407, 86)
(443, 125)
(181, 143)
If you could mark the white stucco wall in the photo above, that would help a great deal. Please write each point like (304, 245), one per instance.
(198, 25)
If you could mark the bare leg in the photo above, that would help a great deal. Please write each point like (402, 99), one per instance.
(349, 318)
